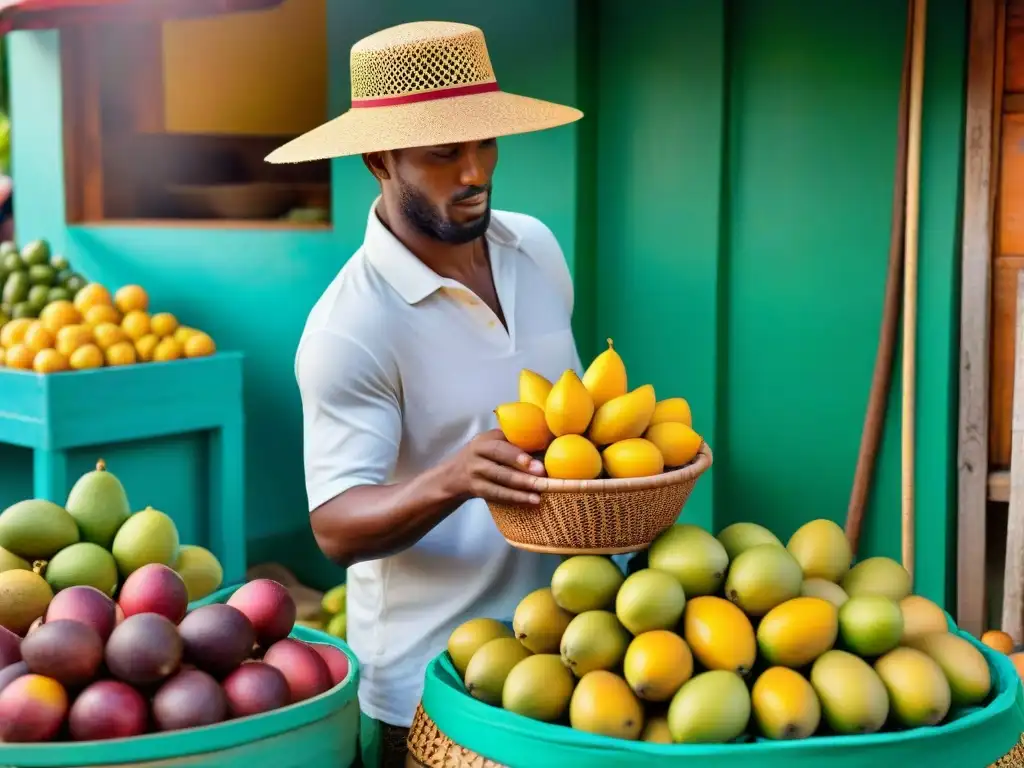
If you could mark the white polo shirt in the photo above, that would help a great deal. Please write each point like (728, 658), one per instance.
(399, 368)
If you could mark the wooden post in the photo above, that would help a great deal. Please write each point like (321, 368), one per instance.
(976, 257)
(1013, 579)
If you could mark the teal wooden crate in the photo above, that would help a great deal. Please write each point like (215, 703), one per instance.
(57, 413)
(318, 733)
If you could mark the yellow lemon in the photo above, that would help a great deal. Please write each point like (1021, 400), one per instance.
(672, 409)
(633, 457)
(92, 295)
(13, 332)
(101, 313)
(86, 357)
(677, 442)
(38, 337)
(108, 334)
(146, 346)
(199, 345)
(49, 361)
(135, 324)
(183, 332)
(71, 337)
(163, 324)
(572, 457)
(58, 315)
(522, 424)
(167, 349)
(121, 353)
(19, 356)
(131, 298)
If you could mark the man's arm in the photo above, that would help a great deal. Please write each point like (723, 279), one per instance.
(352, 428)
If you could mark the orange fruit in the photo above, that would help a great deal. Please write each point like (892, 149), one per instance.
(49, 361)
(131, 298)
(135, 324)
(146, 346)
(85, 357)
(58, 315)
(182, 333)
(19, 356)
(998, 640)
(163, 324)
(167, 349)
(71, 337)
(1018, 662)
(121, 353)
(199, 345)
(13, 332)
(108, 334)
(38, 337)
(92, 295)
(102, 313)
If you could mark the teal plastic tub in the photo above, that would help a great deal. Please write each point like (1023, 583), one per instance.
(973, 738)
(318, 733)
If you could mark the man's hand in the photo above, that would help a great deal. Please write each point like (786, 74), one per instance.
(493, 469)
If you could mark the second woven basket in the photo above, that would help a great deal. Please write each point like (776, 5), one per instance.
(601, 517)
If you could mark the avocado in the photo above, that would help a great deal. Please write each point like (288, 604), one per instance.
(36, 252)
(16, 287)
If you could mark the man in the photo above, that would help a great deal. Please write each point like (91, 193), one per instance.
(415, 342)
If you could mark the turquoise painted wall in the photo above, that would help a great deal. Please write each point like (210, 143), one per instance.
(725, 210)
(745, 165)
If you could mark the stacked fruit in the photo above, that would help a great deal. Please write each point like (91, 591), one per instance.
(595, 427)
(96, 669)
(74, 325)
(32, 278)
(93, 540)
(724, 638)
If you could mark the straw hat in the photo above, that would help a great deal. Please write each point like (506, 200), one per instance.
(422, 84)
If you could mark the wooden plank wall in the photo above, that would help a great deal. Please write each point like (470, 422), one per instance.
(1009, 238)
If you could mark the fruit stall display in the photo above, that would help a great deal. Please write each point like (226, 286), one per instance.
(94, 540)
(52, 319)
(107, 677)
(731, 642)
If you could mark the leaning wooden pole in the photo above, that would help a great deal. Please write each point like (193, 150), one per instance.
(881, 380)
(910, 262)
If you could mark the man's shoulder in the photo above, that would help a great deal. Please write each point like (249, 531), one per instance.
(351, 306)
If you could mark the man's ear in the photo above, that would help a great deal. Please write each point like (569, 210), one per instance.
(374, 162)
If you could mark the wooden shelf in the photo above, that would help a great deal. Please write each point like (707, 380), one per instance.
(299, 226)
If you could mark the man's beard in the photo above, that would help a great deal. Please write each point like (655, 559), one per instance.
(427, 220)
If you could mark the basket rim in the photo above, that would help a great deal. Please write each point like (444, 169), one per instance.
(698, 466)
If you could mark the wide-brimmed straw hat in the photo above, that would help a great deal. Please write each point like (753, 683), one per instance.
(423, 84)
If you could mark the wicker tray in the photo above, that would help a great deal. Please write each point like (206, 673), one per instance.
(430, 748)
(600, 517)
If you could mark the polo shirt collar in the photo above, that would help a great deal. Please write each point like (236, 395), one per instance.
(411, 278)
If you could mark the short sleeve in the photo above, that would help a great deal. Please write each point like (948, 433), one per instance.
(351, 416)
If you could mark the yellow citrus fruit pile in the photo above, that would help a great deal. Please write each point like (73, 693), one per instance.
(98, 329)
(596, 426)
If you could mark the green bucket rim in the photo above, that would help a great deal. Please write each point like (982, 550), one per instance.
(196, 741)
(473, 724)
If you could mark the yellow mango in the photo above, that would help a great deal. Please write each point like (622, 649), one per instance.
(605, 378)
(623, 417)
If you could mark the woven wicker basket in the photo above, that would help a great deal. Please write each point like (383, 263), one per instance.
(600, 517)
(430, 748)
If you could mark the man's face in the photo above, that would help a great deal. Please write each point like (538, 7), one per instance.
(445, 191)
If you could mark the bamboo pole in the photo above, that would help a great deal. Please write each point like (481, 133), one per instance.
(910, 264)
(881, 379)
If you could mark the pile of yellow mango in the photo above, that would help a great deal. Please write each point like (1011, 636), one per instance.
(98, 329)
(596, 427)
